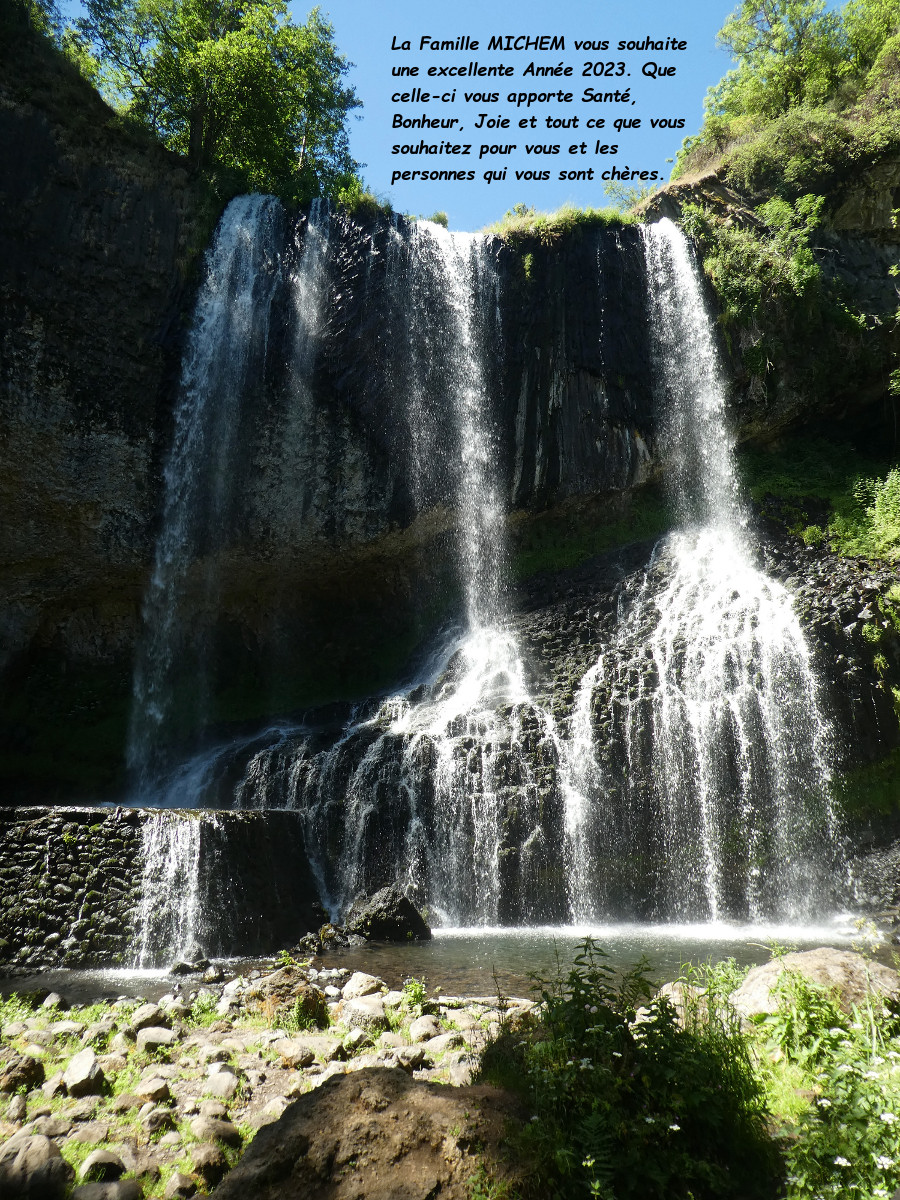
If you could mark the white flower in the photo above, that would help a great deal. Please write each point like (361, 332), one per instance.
(586, 1064)
(616, 1054)
(888, 1118)
(884, 1162)
(674, 1128)
(594, 1008)
(846, 1043)
(856, 1025)
(877, 1059)
(879, 1192)
(823, 1102)
(870, 1075)
(650, 1120)
(840, 1161)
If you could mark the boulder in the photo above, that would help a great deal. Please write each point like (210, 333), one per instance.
(360, 984)
(101, 1166)
(32, 1166)
(424, 1028)
(21, 1071)
(294, 1053)
(380, 1134)
(388, 916)
(287, 989)
(83, 1076)
(121, 1189)
(852, 978)
(179, 1187)
(222, 1085)
(154, 1037)
(215, 1129)
(208, 1161)
(367, 1012)
(154, 1089)
(148, 1015)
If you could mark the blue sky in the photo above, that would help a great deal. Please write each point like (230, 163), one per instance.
(364, 32)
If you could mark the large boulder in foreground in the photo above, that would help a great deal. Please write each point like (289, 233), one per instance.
(852, 977)
(388, 916)
(379, 1134)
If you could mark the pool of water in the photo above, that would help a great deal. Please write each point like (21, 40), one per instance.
(482, 961)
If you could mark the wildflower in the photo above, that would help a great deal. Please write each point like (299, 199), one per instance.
(823, 1102)
(840, 1161)
(888, 1118)
(674, 1128)
(616, 1054)
(870, 1075)
(856, 1025)
(535, 1118)
(879, 1191)
(594, 1008)
(650, 1120)
(586, 1064)
(883, 1162)
(847, 1044)
(877, 1059)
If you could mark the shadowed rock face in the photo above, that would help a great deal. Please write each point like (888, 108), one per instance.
(381, 1134)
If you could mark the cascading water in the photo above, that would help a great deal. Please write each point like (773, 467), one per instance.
(224, 353)
(170, 922)
(719, 801)
(422, 786)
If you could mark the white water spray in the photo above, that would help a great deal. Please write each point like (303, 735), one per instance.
(711, 678)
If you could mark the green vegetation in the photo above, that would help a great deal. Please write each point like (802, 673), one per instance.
(677, 1099)
(523, 225)
(626, 1102)
(240, 90)
(812, 104)
(829, 493)
(812, 100)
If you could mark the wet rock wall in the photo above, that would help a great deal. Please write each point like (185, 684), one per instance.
(72, 881)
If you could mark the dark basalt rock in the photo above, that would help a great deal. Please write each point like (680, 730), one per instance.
(388, 916)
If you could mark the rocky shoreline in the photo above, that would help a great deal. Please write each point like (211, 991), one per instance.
(125, 1099)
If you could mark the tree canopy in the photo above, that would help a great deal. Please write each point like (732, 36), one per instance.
(231, 83)
(793, 52)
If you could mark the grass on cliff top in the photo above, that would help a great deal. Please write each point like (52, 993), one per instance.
(523, 224)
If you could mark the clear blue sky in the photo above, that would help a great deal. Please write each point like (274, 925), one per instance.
(364, 31)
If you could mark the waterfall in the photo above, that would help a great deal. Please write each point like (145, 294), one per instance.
(422, 784)
(722, 774)
(170, 921)
(225, 353)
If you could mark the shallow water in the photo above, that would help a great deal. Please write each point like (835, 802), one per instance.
(480, 961)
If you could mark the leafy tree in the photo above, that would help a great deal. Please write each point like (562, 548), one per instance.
(789, 52)
(231, 84)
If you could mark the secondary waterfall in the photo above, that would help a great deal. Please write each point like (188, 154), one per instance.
(718, 791)
(225, 353)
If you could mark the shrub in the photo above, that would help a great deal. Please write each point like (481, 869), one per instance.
(627, 1102)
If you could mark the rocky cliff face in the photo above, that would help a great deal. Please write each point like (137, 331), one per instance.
(99, 235)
